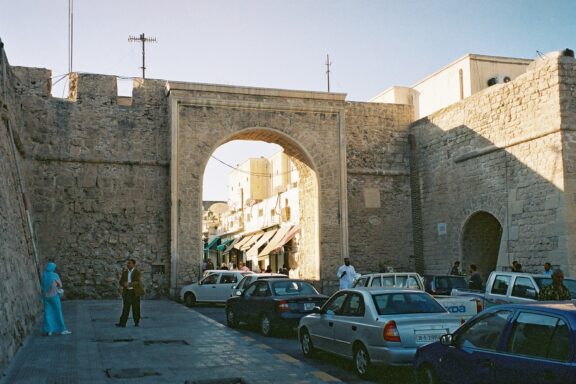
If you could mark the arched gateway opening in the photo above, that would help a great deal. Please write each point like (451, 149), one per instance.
(481, 237)
(267, 216)
(309, 127)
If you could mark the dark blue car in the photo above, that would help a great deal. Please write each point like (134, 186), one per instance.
(273, 304)
(510, 343)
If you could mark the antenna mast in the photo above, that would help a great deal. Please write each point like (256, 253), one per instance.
(70, 33)
(144, 40)
(328, 64)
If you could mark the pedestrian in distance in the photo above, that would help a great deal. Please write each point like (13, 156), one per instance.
(516, 266)
(242, 267)
(51, 291)
(456, 269)
(346, 274)
(209, 264)
(132, 291)
(547, 269)
(475, 281)
(284, 270)
(557, 290)
(268, 269)
(224, 266)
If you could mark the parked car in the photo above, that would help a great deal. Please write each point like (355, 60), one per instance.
(249, 279)
(410, 280)
(465, 308)
(273, 304)
(443, 284)
(375, 326)
(513, 287)
(213, 288)
(509, 343)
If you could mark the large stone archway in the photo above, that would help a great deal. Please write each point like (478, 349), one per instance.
(310, 128)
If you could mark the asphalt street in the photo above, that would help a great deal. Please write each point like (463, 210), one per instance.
(288, 344)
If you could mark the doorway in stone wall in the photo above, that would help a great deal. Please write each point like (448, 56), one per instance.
(481, 238)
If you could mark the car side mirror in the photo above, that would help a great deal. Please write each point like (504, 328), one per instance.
(447, 339)
(317, 310)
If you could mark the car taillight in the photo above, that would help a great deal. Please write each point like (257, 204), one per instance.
(283, 306)
(479, 306)
(391, 332)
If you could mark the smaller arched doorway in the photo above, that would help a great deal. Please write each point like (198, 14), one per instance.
(481, 238)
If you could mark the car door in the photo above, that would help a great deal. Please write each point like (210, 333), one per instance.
(475, 346)
(322, 328)
(206, 288)
(242, 303)
(537, 351)
(348, 323)
(224, 287)
(255, 298)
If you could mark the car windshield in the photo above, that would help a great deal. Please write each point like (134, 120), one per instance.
(406, 302)
(569, 283)
(293, 288)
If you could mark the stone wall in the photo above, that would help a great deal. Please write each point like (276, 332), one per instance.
(99, 179)
(567, 89)
(20, 305)
(379, 208)
(500, 152)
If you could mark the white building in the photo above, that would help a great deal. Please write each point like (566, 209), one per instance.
(263, 214)
(462, 78)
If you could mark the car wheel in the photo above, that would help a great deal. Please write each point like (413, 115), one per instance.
(427, 375)
(231, 318)
(306, 344)
(265, 325)
(190, 299)
(361, 361)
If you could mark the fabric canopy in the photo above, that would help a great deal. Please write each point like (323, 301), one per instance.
(242, 241)
(211, 243)
(276, 241)
(224, 244)
(250, 241)
(231, 245)
(265, 237)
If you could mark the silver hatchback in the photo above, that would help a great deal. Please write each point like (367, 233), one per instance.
(375, 326)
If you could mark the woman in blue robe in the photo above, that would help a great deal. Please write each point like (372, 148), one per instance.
(53, 319)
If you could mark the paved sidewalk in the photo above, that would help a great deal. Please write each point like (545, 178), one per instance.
(172, 345)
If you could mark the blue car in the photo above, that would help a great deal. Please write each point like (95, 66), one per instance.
(509, 343)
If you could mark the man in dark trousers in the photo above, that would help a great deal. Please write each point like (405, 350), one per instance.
(132, 290)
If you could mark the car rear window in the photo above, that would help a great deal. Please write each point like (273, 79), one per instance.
(447, 282)
(293, 288)
(406, 302)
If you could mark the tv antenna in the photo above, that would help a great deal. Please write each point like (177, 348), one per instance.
(144, 40)
(328, 64)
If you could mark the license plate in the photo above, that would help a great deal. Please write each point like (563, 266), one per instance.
(309, 306)
(427, 338)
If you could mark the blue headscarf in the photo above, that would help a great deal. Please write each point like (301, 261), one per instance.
(49, 276)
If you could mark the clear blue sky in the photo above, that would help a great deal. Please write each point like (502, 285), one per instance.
(373, 44)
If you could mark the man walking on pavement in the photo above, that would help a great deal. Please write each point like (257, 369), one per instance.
(346, 274)
(132, 290)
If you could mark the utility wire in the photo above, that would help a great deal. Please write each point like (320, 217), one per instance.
(260, 174)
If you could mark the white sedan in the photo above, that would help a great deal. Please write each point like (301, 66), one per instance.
(213, 288)
(375, 326)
